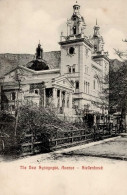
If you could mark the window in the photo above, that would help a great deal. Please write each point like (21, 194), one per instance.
(36, 91)
(84, 86)
(71, 50)
(73, 69)
(69, 69)
(74, 30)
(95, 47)
(13, 96)
(58, 93)
(77, 84)
(88, 88)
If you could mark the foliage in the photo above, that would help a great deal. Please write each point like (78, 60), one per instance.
(42, 119)
(117, 90)
(7, 122)
(37, 123)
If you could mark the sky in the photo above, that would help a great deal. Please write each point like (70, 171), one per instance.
(24, 22)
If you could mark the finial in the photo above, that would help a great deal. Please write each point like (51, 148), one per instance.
(96, 21)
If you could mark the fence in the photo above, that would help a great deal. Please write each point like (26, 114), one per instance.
(45, 143)
(54, 138)
(41, 143)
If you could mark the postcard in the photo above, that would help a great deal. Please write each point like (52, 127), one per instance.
(63, 95)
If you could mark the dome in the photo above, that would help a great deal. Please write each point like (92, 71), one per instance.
(37, 65)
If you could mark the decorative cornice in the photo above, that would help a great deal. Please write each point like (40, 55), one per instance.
(76, 41)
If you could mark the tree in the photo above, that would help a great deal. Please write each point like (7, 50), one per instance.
(117, 90)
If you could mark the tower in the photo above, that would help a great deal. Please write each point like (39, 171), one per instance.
(75, 53)
(76, 24)
(97, 40)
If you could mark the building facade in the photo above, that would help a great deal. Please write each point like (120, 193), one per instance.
(76, 84)
(84, 63)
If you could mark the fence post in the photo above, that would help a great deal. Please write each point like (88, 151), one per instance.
(3, 145)
(32, 144)
(72, 137)
(56, 137)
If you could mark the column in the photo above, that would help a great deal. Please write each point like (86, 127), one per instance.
(65, 99)
(79, 27)
(44, 97)
(60, 99)
(70, 100)
(55, 97)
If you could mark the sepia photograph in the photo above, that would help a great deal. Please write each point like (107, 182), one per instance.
(63, 97)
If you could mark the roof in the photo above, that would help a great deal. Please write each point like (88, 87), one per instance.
(37, 65)
(101, 56)
(9, 61)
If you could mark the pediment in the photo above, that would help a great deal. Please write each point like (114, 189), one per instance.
(18, 74)
(64, 82)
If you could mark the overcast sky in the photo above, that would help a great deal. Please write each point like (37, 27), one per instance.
(24, 22)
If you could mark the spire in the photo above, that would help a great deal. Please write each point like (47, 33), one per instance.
(96, 29)
(98, 41)
(39, 52)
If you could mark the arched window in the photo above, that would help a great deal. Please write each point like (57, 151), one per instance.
(74, 30)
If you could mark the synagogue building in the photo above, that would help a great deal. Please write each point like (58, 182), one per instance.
(70, 80)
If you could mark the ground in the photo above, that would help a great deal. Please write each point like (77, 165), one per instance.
(69, 171)
(115, 149)
(112, 148)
